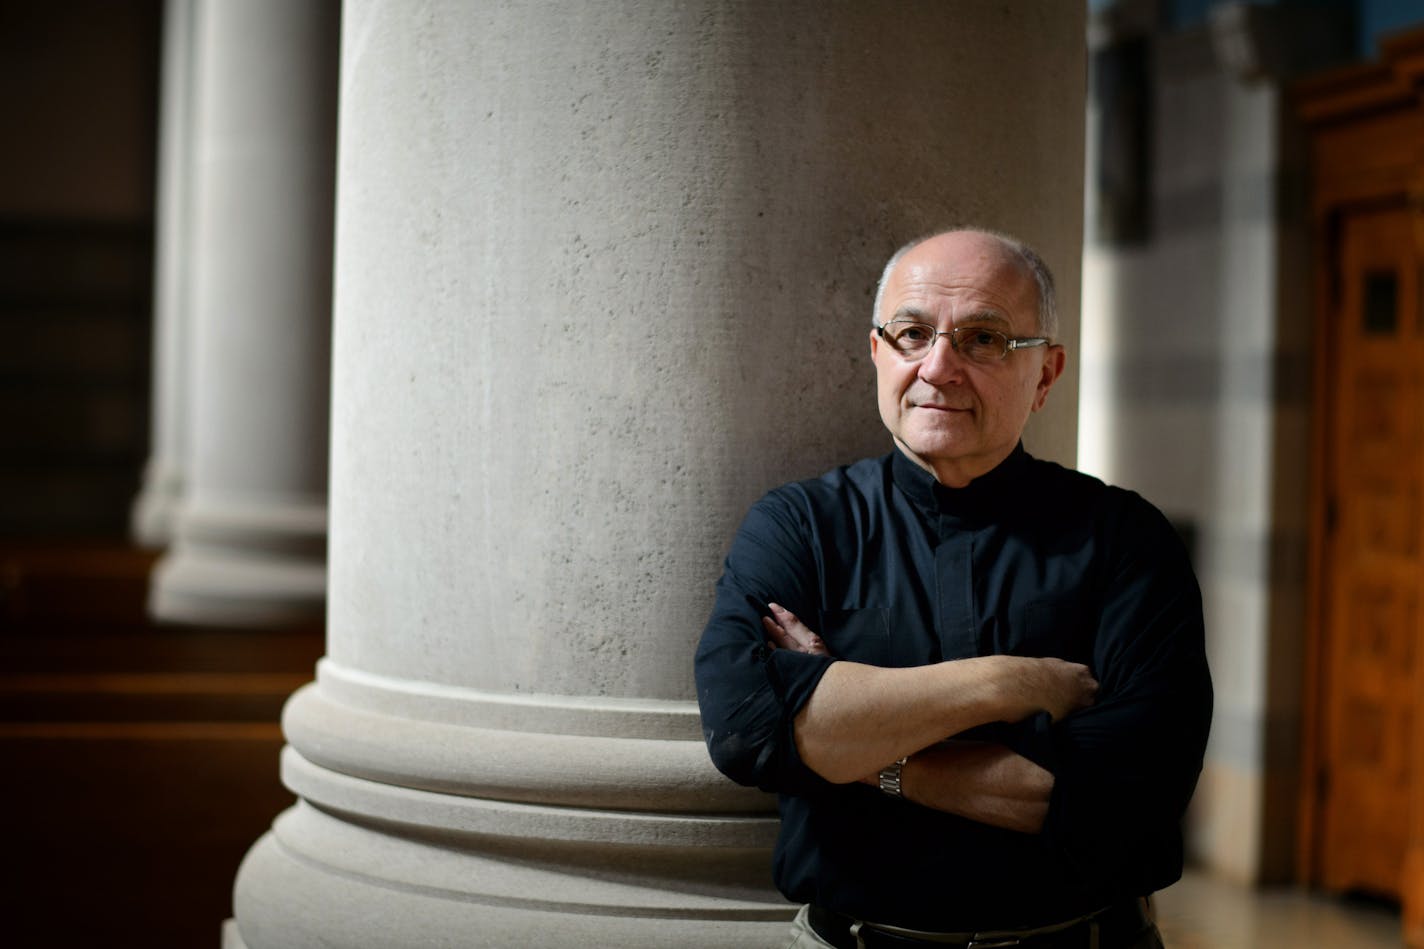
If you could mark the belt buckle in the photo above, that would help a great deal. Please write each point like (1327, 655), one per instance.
(994, 942)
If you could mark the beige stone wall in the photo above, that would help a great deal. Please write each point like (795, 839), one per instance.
(77, 95)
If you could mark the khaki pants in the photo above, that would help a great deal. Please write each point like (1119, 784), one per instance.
(804, 937)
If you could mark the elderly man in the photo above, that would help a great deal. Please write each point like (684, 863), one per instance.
(976, 680)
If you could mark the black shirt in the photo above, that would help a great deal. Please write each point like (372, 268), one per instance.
(893, 569)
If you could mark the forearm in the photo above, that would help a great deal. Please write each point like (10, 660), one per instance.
(862, 717)
(981, 781)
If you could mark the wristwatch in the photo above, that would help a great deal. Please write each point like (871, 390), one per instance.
(890, 778)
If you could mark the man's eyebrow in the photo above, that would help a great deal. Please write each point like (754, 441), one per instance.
(985, 316)
(912, 313)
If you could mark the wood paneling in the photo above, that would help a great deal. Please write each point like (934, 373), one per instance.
(1363, 795)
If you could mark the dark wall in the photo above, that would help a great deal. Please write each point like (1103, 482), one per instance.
(140, 761)
(78, 97)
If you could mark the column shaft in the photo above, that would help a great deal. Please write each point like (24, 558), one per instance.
(604, 275)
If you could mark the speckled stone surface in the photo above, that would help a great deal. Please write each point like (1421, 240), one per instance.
(604, 275)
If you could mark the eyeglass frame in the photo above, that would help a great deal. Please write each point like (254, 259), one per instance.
(1011, 343)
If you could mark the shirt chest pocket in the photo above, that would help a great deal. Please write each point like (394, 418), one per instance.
(1059, 626)
(861, 635)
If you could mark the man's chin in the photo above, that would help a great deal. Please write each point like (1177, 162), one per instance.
(948, 439)
(930, 450)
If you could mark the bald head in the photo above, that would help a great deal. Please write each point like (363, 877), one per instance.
(973, 240)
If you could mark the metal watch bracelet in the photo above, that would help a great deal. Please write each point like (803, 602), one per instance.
(890, 778)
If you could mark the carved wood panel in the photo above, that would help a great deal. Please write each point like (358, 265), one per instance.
(1362, 793)
(1375, 482)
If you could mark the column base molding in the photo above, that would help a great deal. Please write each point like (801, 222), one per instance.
(155, 510)
(244, 565)
(330, 878)
(439, 815)
(562, 751)
(231, 938)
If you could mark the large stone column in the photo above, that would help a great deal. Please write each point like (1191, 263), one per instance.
(604, 275)
(156, 506)
(250, 532)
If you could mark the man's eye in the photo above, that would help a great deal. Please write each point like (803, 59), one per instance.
(978, 338)
(982, 344)
(913, 334)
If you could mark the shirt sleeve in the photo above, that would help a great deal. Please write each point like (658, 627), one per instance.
(1125, 768)
(748, 692)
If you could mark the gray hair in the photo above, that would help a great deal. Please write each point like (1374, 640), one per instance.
(1042, 276)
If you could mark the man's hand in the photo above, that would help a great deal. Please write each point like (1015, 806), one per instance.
(1055, 686)
(788, 632)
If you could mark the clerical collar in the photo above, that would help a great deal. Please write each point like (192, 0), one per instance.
(985, 496)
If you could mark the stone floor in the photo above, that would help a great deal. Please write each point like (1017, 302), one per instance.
(1201, 912)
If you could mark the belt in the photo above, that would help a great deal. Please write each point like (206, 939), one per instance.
(1115, 926)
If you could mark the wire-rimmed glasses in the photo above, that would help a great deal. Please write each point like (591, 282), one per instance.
(914, 340)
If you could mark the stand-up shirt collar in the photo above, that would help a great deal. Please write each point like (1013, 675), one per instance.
(988, 494)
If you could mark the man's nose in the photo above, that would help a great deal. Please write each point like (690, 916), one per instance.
(942, 363)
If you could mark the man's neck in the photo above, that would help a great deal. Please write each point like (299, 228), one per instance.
(959, 472)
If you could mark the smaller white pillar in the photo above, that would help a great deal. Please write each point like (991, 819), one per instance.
(156, 506)
(250, 534)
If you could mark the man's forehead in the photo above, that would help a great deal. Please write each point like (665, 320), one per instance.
(964, 260)
(993, 288)
(968, 269)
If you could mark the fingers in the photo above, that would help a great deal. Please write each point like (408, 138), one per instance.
(1081, 690)
(779, 637)
(1056, 686)
(806, 641)
(1090, 686)
(1087, 685)
(788, 632)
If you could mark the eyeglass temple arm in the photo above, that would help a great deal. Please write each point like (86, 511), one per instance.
(1024, 342)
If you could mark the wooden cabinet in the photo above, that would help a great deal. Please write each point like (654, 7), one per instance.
(1363, 795)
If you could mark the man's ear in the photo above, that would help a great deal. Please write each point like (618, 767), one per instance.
(874, 342)
(1053, 362)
